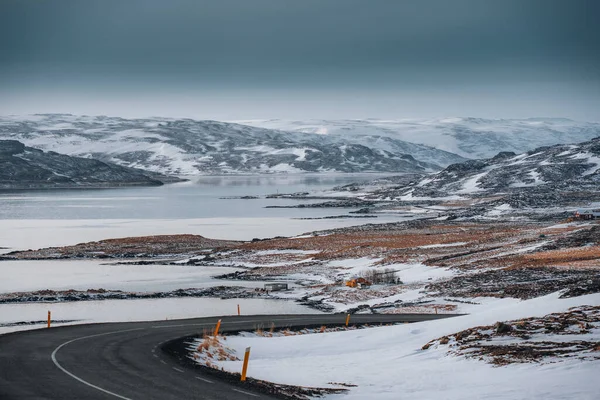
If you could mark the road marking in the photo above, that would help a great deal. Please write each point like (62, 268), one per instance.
(55, 361)
(233, 322)
(248, 393)
(155, 355)
(178, 370)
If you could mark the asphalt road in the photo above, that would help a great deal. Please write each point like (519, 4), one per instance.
(126, 360)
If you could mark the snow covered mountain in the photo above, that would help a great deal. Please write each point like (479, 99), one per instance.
(188, 147)
(23, 167)
(545, 176)
(468, 137)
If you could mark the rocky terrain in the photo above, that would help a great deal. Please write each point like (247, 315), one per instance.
(547, 183)
(190, 147)
(45, 296)
(160, 246)
(439, 266)
(546, 170)
(23, 167)
(549, 339)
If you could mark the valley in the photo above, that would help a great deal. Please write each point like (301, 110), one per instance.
(508, 244)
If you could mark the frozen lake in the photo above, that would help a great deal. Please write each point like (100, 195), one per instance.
(25, 276)
(200, 198)
(33, 219)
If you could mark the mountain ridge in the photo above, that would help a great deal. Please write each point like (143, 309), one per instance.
(190, 147)
(469, 137)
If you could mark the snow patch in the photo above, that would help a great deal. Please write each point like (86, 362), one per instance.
(387, 361)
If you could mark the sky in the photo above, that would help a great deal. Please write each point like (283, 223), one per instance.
(301, 59)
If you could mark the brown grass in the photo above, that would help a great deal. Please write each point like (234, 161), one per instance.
(579, 257)
(361, 244)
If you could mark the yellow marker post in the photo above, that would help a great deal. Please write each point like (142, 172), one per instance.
(49, 318)
(239, 310)
(245, 367)
(347, 319)
(217, 328)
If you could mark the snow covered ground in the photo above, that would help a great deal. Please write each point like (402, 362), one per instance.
(21, 276)
(388, 362)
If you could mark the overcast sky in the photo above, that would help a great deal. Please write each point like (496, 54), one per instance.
(243, 59)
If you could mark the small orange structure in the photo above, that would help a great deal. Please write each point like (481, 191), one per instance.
(587, 214)
(358, 283)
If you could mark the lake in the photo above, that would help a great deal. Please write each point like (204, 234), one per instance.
(32, 219)
(199, 198)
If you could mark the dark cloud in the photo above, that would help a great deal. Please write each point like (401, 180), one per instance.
(225, 44)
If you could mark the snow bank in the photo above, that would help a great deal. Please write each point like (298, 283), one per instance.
(417, 272)
(388, 363)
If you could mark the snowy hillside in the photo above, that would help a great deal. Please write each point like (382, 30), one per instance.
(188, 147)
(543, 177)
(556, 166)
(385, 362)
(467, 137)
(24, 167)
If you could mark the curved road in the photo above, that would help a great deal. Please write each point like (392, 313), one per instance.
(126, 360)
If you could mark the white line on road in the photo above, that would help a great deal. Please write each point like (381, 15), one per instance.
(233, 322)
(53, 356)
(178, 370)
(248, 393)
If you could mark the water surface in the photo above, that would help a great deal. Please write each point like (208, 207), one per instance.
(35, 219)
(202, 197)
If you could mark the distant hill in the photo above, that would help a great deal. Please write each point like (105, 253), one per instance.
(190, 147)
(546, 176)
(23, 167)
(473, 138)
